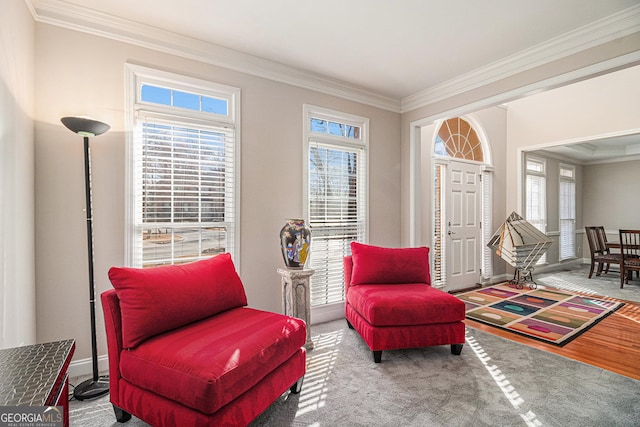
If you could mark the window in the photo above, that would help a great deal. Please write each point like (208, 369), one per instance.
(536, 196)
(567, 212)
(336, 196)
(457, 138)
(182, 157)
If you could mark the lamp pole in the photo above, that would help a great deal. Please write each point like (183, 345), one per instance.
(96, 386)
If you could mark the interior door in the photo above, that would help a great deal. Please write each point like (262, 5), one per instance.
(463, 233)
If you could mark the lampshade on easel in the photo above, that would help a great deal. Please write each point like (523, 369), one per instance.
(520, 244)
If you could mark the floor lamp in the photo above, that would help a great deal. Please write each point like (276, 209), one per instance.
(86, 127)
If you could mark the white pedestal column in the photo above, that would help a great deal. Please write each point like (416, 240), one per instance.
(296, 296)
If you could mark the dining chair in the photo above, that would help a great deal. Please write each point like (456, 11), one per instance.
(600, 253)
(630, 250)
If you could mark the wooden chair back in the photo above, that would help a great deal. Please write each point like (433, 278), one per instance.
(597, 239)
(630, 244)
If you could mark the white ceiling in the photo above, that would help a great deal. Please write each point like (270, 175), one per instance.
(387, 51)
(392, 48)
(615, 148)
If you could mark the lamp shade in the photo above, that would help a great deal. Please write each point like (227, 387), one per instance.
(85, 126)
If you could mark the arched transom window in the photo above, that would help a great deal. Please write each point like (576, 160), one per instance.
(457, 138)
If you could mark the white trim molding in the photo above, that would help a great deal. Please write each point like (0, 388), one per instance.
(594, 34)
(72, 16)
(79, 18)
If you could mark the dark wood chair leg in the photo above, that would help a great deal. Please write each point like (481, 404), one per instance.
(377, 356)
(349, 325)
(591, 269)
(456, 349)
(121, 415)
(297, 387)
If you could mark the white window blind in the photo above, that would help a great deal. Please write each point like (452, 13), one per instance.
(183, 175)
(567, 212)
(336, 199)
(487, 224)
(438, 250)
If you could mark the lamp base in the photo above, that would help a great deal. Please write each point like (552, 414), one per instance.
(91, 389)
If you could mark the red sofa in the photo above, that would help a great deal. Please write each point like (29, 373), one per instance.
(390, 301)
(184, 350)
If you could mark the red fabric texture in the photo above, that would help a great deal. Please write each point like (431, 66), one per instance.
(406, 304)
(156, 300)
(398, 337)
(159, 411)
(374, 264)
(206, 365)
(397, 314)
(347, 263)
(113, 326)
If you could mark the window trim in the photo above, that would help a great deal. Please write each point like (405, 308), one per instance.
(135, 76)
(362, 142)
(332, 311)
(541, 174)
(561, 179)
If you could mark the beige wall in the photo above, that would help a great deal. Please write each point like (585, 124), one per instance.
(611, 199)
(17, 281)
(83, 74)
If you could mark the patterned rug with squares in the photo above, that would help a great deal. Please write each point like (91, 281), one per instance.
(550, 315)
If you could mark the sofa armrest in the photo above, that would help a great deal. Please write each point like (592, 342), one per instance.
(113, 326)
(347, 262)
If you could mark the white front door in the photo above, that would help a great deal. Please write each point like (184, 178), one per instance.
(463, 234)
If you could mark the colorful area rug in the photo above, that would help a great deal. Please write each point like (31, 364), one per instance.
(546, 314)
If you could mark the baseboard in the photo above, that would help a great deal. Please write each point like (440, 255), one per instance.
(84, 367)
(327, 313)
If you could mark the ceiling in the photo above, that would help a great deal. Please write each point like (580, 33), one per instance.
(392, 48)
(610, 149)
(387, 51)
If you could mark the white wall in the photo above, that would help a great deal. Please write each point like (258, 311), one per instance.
(17, 282)
(83, 74)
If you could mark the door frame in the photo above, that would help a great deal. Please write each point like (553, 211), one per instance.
(416, 160)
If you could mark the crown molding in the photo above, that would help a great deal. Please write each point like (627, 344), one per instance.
(67, 15)
(594, 34)
(71, 16)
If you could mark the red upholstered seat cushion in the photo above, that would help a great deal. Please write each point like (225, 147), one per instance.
(373, 264)
(404, 305)
(205, 370)
(156, 300)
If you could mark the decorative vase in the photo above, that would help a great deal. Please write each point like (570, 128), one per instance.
(295, 240)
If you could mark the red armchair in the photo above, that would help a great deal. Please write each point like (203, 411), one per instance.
(390, 301)
(184, 350)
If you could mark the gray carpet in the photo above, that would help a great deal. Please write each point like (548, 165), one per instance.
(494, 382)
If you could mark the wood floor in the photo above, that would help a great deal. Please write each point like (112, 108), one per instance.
(613, 344)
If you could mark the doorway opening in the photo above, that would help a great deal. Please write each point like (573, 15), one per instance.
(462, 184)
